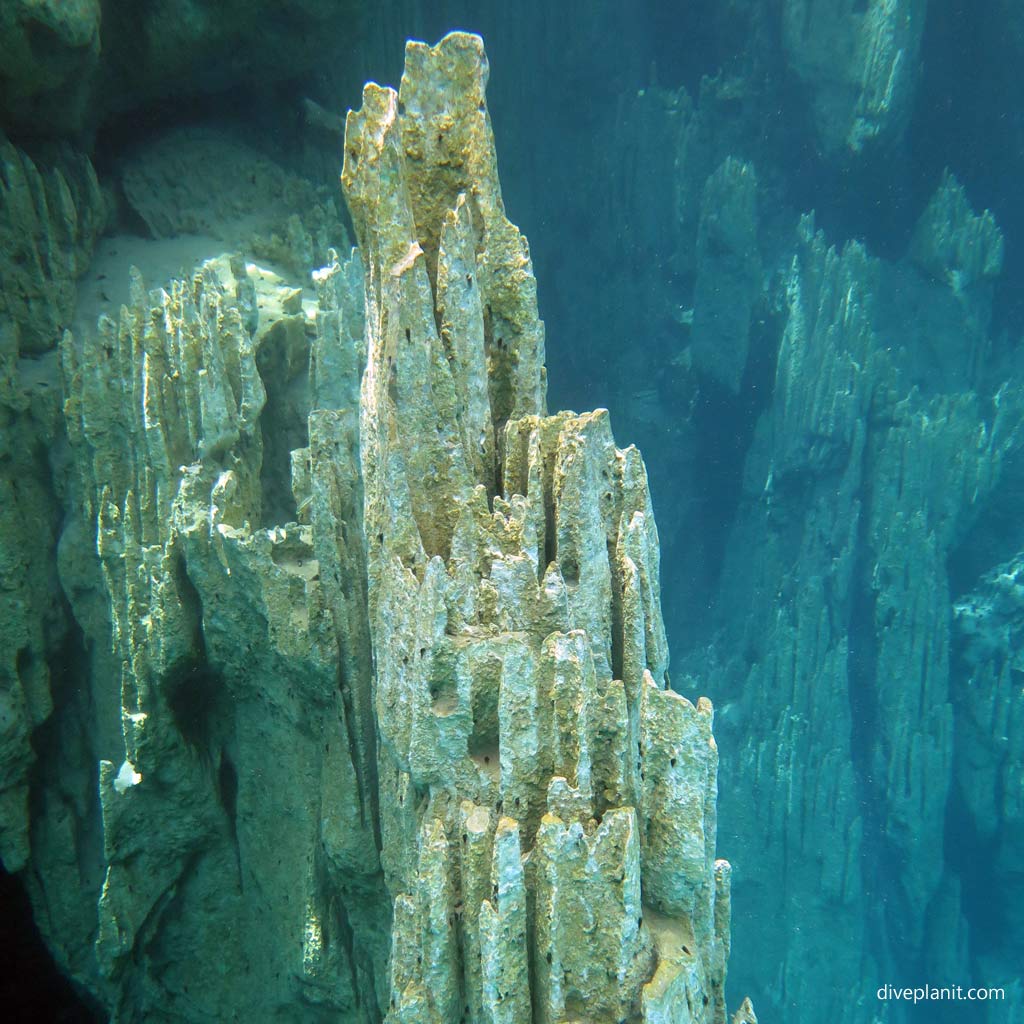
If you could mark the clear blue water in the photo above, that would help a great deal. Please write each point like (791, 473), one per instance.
(841, 586)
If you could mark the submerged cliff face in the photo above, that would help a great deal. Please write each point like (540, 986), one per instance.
(829, 406)
(547, 804)
(866, 483)
(413, 755)
(839, 426)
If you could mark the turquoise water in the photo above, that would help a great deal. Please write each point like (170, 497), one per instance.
(782, 242)
(828, 614)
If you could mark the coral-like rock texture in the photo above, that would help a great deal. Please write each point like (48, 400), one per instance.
(51, 215)
(227, 653)
(364, 713)
(547, 801)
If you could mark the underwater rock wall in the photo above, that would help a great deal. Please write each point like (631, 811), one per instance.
(32, 617)
(987, 773)
(51, 213)
(860, 63)
(858, 488)
(235, 807)
(547, 803)
(832, 436)
(69, 64)
(411, 754)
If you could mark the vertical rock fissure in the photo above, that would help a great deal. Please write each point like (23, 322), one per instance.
(363, 784)
(862, 661)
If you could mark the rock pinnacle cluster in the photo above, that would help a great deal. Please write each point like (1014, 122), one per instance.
(370, 716)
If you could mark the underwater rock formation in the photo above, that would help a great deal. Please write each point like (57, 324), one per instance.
(728, 281)
(863, 482)
(989, 768)
(860, 63)
(197, 181)
(952, 243)
(226, 671)
(50, 219)
(547, 803)
(865, 474)
(32, 617)
(833, 440)
(47, 49)
(50, 216)
(364, 710)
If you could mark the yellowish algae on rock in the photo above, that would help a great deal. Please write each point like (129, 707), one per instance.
(375, 646)
(547, 802)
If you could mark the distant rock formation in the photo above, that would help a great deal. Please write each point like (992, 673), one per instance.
(859, 61)
(69, 64)
(865, 490)
(51, 214)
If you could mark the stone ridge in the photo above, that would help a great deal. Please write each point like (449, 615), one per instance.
(547, 802)
(51, 215)
(237, 788)
(412, 756)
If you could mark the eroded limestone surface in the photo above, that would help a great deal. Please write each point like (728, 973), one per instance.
(369, 715)
(547, 801)
(51, 215)
(235, 817)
